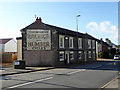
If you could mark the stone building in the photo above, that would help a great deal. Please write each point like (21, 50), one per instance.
(48, 45)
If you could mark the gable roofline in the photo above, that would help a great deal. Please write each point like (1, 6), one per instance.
(5, 40)
(63, 31)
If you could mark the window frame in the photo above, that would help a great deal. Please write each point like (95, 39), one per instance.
(61, 59)
(89, 54)
(71, 52)
(80, 43)
(89, 44)
(79, 56)
(93, 44)
(71, 42)
(61, 37)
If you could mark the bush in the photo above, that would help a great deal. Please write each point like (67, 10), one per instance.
(100, 54)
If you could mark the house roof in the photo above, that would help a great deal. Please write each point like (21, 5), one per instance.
(38, 25)
(5, 40)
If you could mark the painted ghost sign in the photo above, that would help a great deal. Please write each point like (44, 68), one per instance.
(38, 40)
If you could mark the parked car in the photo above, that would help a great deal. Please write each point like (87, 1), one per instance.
(116, 57)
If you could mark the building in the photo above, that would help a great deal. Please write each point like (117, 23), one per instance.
(8, 50)
(44, 45)
(8, 45)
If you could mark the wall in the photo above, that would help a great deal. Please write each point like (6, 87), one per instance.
(19, 49)
(39, 58)
(11, 46)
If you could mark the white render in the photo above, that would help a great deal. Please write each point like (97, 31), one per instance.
(10, 46)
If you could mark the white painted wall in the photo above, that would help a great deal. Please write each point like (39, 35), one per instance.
(19, 49)
(11, 46)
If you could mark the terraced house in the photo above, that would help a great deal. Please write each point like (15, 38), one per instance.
(48, 45)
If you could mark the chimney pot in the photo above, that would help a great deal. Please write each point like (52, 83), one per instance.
(40, 20)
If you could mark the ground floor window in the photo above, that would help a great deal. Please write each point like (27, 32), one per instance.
(94, 55)
(61, 56)
(89, 54)
(80, 54)
(71, 55)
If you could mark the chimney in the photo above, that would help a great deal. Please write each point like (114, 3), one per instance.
(39, 20)
(101, 39)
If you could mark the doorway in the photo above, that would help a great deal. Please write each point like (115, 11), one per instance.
(67, 57)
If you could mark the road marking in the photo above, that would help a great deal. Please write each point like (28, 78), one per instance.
(30, 82)
(76, 71)
(108, 83)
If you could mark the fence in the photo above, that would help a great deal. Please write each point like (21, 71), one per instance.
(9, 57)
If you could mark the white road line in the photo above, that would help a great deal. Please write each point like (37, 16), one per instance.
(30, 82)
(108, 83)
(75, 71)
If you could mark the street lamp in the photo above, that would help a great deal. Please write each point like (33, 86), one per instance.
(77, 22)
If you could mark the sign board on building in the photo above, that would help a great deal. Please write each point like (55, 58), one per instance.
(38, 39)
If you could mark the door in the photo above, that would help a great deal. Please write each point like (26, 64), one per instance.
(66, 57)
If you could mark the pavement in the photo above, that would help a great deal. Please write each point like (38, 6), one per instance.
(9, 70)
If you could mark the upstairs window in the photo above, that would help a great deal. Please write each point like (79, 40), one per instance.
(61, 41)
(93, 44)
(89, 44)
(79, 42)
(71, 42)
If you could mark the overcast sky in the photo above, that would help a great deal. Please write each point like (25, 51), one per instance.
(99, 19)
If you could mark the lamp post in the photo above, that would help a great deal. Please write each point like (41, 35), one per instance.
(77, 22)
(77, 34)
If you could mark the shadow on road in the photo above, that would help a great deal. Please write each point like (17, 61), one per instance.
(100, 65)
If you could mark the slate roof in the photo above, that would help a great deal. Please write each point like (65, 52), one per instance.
(37, 25)
(3, 41)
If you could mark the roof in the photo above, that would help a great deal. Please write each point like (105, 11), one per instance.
(5, 40)
(37, 25)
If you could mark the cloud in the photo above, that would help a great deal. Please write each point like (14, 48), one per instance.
(104, 28)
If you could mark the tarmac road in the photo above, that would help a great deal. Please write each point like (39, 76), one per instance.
(83, 76)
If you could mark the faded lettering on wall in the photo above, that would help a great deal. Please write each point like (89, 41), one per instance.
(38, 40)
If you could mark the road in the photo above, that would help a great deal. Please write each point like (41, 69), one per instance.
(84, 76)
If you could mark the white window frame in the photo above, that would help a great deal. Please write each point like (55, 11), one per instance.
(93, 44)
(70, 38)
(89, 44)
(71, 52)
(80, 43)
(61, 52)
(61, 37)
(79, 56)
(89, 54)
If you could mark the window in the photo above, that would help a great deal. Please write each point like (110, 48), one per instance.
(93, 44)
(71, 55)
(89, 44)
(61, 56)
(71, 42)
(89, 54)
(61, 41)
(93, 55)
(79, 42)
(80, 55)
